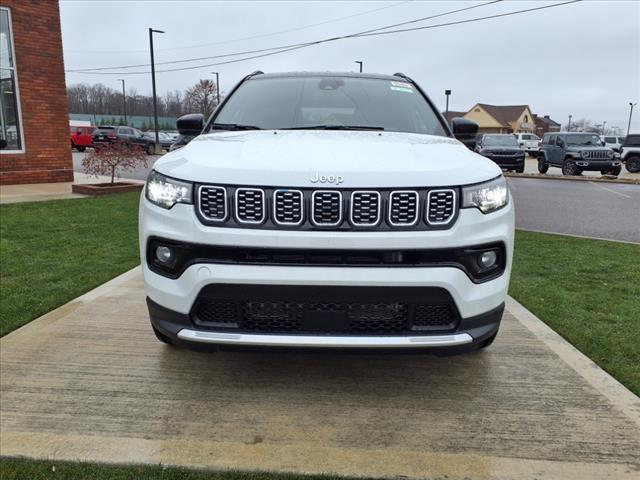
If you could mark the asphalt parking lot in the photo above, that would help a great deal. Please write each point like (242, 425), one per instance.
(90, 382)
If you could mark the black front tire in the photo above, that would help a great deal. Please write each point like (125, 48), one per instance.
(519, 169)
(633, 164)
(151, 149)
(612, 171)
(543, 167)
(569, 167)
(81, 149)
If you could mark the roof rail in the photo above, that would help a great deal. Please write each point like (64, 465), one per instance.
(402, 75)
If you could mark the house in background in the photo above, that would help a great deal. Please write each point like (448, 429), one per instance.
(545, 124)
(502, 118)
(34, 124)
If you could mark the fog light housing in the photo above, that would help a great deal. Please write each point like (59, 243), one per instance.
(487, 259)
(164, 255)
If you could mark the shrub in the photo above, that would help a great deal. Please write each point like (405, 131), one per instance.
(114, 158)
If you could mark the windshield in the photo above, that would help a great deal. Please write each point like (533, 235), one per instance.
(297, 102)
(586, 139)
(499, 141)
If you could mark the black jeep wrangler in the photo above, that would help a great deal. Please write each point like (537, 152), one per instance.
(576, 152)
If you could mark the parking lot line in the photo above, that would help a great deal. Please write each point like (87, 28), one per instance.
(609, 189)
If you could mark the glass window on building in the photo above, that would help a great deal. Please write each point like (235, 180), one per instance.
(10, 127)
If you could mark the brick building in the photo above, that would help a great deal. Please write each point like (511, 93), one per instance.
(34, 121)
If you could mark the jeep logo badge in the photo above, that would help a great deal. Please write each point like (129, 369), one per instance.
(337, 179)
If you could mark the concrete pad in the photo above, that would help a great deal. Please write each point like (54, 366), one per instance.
(90, 382)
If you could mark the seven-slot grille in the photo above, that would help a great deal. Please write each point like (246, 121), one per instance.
(596, 154)
(403, 208)
(334, 209)
(288, 207)
(441, 206)
(213, 203)
(250, 205)
(365, 208)
(326, 207)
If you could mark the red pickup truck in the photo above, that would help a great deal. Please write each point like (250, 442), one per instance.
(81, 137)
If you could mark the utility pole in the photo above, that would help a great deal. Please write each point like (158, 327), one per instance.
(631, 105)
(153, 84)
(124, 101)
(359, 63)
(604, 123)
(569, 126)
(217, 88)
(446, 111)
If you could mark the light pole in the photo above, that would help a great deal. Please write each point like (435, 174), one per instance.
(359, 63)
(446, 110)
(217, 88)
(604, 123)
(569, 126)
(124, 101)
(631, 105)
(153, 84)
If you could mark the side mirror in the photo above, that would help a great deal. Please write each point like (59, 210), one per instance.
(191, 124)
(465, 130)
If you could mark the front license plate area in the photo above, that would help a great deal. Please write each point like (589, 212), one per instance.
(325, 319)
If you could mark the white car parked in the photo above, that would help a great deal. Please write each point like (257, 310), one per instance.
(326, 210)
(529, 142)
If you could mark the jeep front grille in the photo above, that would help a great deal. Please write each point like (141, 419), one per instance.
(365, 208)
(441, 206)
(250, 205)
(308, 209)
(288, 207)
(213, 203)
(597, 154)
(326, 208)
(403, 208)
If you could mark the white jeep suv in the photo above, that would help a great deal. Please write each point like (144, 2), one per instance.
(326, 210)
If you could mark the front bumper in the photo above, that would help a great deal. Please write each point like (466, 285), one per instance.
(587, 164)
(476, 304)
(507, 162)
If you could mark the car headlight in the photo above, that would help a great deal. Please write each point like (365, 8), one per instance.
(488, 197)
(166, 192)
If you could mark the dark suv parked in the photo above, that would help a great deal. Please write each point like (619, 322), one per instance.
(504, 150)
(131, 136)
(575, 152)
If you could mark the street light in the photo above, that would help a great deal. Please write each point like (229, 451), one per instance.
(153, 84)
(217, 88)
(604, 123)
(446, 110)
(359, 63)
(569, 126)
(631, 105)
(124, 101)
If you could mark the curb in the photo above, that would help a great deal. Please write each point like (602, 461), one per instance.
(629, 181)
(609, 387)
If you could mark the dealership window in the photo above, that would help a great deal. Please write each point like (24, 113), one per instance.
(10, 125)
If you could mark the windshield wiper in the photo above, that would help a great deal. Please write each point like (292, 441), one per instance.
(334, 127)
(233, 126)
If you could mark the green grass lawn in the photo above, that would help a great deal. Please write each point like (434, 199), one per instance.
(52, 252)
(24, 469)
(589, 292)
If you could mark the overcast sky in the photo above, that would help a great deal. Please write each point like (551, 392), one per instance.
(581, 59)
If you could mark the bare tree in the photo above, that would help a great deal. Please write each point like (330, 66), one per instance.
(201, 97)
(113, 158)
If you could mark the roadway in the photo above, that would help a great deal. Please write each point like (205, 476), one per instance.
(602, 210)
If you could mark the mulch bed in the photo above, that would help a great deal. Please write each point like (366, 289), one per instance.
(106, 188)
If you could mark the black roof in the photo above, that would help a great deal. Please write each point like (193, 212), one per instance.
(329, 74)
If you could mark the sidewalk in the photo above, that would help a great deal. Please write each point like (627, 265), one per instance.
(37, 192)
(89, 382)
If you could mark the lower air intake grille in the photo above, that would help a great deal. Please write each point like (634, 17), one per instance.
(309, 310)
(441, 206)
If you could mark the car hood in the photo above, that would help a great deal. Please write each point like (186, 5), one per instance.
(289, 158)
